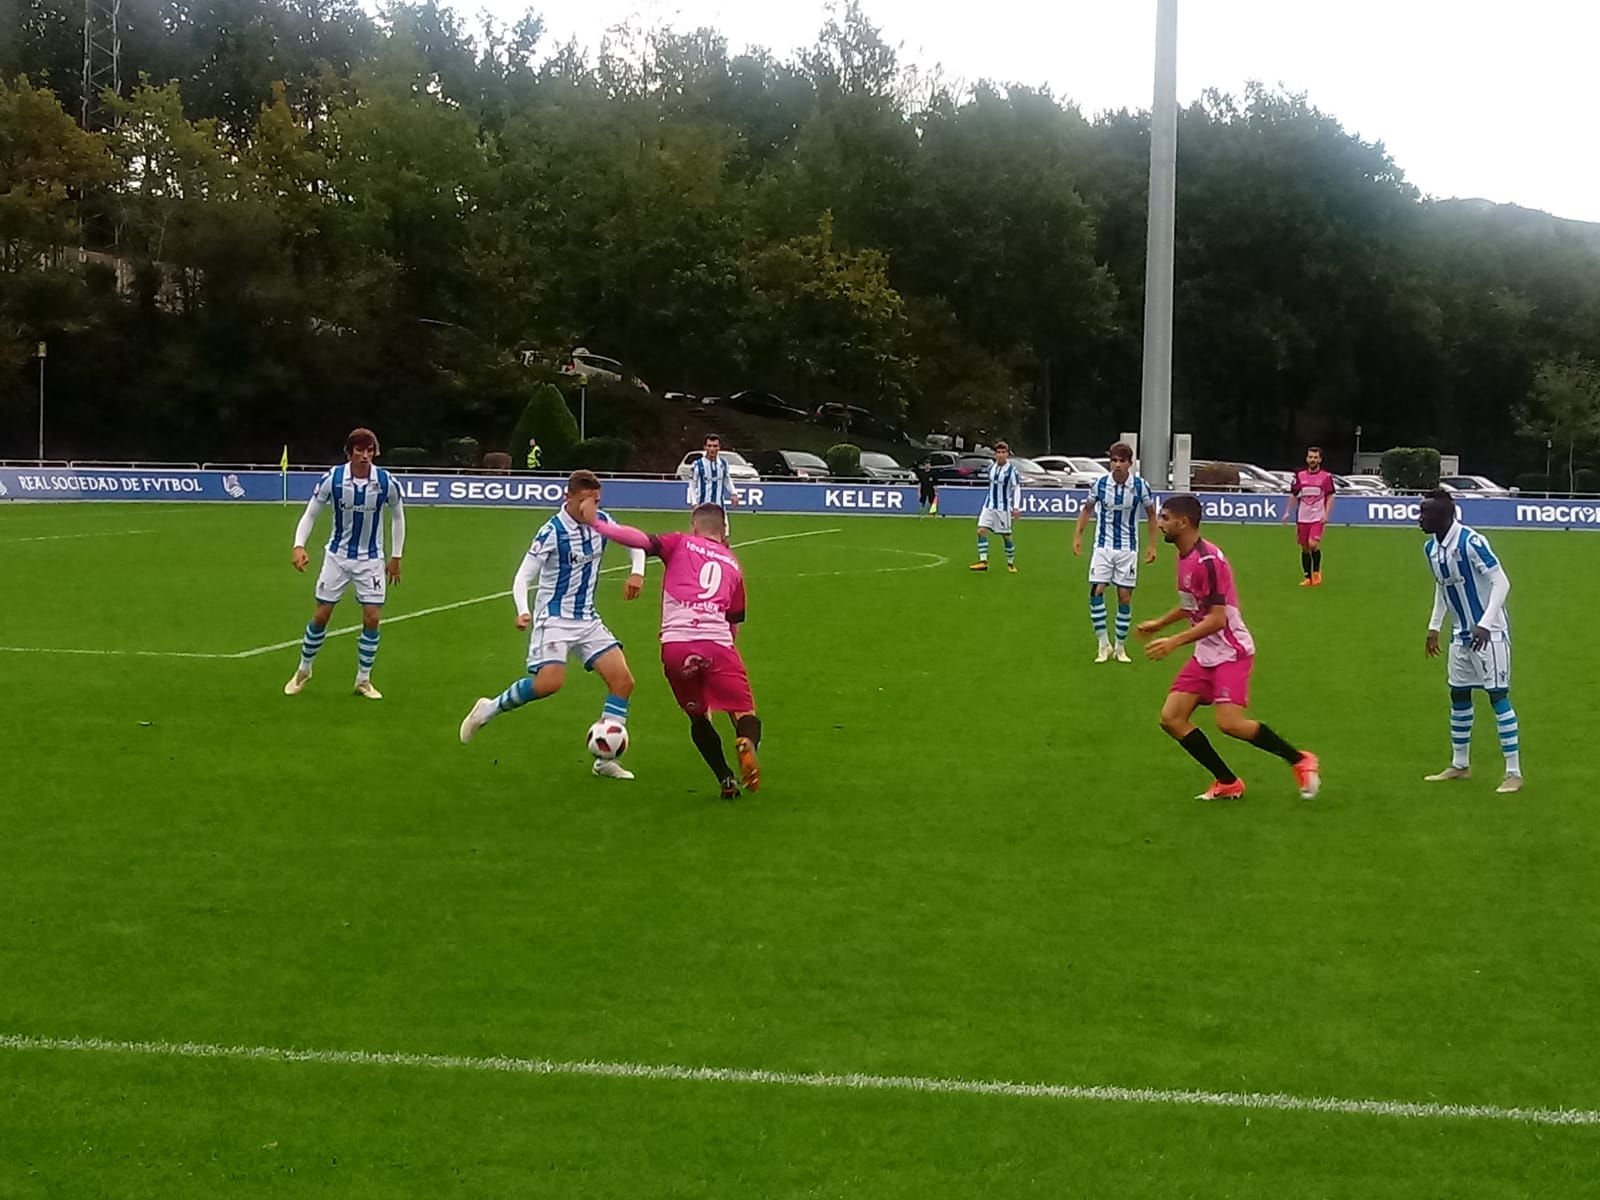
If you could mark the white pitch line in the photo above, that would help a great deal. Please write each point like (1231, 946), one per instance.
(1272, 1101)
(61, 537)
(939, 560)
(348, 629)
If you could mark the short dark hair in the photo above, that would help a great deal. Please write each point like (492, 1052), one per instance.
(1184, 505)
(714, 437)
(360, 438)
(1121, 450)
(707, 514)
(1311, 449)
(583, 481)
(1002, 446)
(1440, 498)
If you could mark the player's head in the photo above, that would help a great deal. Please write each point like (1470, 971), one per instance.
(1121, 455)
(1437, 512)
(1180, 519)
(1313, 458)
(709, 521)
(532, 442)
(1002, 453)
(582, 486)
(713, 446)
(361, 446)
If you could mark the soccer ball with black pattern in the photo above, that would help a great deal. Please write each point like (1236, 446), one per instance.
(608, 739)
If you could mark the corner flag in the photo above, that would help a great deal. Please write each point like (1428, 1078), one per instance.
(283, 467)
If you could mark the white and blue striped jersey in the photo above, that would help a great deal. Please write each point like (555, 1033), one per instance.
(358, 506)
(1469, 584)
(1005, 488)
(1118, 508)
(564, 561)
(710, 481)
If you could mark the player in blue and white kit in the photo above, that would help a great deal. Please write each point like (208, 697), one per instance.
(1471, 586)
(564, 564)
(1000, 506)
(1115, 500)
(358, 493)
(710, 481)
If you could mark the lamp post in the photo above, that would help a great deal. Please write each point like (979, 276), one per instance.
(41, 403)
(1355, 463)
(583, 408)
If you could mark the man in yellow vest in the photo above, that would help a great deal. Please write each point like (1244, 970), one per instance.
(533, 454)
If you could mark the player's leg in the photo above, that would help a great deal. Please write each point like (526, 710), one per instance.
(1303, 537)
(372, 589)
(708, 742)
(1097, 619)
(1177, 720)
(727, 689)
(983, 548)
(1124, 621)
(1496, 660)
(548, 647)
(612, 667)
(332, 581)
(1461, 720)
(685, 665)
(1010, 544)
(1316, 556)
(1232, 696)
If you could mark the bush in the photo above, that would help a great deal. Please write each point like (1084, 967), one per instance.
(1214, 474)
(844, 461)
(1534, 483)
(603, 455)
(547, 418)
(407, 456)
(461, 452)
(497, 461)
(1411, 468)
(1586, 480)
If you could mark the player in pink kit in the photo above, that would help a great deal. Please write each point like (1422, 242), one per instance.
(1311, 504)
(702, 606)
(1224, 653)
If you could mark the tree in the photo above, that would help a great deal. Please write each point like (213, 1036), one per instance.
(1563, 408)
(47, 164)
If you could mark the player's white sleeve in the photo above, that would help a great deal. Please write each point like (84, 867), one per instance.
(1436, 621)
(321, 496)
(1499, 589)
(527, 577)
(397, 520)
(635, 561)
(727, 481)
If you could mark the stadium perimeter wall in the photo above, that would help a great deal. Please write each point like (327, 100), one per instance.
(636, 495)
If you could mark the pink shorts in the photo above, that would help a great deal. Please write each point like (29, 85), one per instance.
(1225, 683)
(706, 677)
(1311, 531)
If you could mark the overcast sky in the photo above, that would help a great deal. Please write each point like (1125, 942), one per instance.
(1472, 99)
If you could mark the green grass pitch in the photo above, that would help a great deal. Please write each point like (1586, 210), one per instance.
(975, 856)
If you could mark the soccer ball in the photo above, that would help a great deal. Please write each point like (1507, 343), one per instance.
(607, 739)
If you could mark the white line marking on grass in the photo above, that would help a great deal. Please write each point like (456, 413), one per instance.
(61, 537)
(256, 651)
(938, 560)
(1273, 1101)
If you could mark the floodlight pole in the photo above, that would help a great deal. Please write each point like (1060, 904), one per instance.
(41, 403)
(1155, 425)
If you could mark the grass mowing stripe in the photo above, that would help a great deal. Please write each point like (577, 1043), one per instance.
(1275, 1101)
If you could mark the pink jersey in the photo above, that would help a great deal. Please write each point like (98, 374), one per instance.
(702, 590)
(1205, 581)
(1315, 490)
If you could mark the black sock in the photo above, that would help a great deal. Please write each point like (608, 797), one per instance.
(1203, 752)
(1316, 560)
(1305, 562)
(709, 743)
(748, 726)
(1273, 744)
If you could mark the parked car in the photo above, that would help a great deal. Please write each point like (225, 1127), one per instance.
(846, 417)
(599, 369)
(1474, 485)
(1035, 476)
(766, 404)
(739, 468)
(1258, 479)
(1072, 471)
(1370, 484)
(880, 468)
(950, 467)
(789, 464)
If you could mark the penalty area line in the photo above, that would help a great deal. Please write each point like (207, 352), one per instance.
(1268, 1101)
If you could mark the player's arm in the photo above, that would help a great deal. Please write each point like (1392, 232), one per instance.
(1436, 621)
(1155, 531)
(727, 485)
(526, 578)
(320, 498)
(1016, 495)
(736, 606)
(634, 584)
(1083, 523)
(397, 530)
(1327, 505)
(1499, 588)
(1159, 623)
(1293, 506)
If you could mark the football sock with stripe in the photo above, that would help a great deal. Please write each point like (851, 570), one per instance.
(1461, 729)
(1011, 550)
(1203, 752)
(983, 547)
(311, 643)
(1097, 615)
(366, 654)
(615, 709)
(519, 693)
(1505, 719)
(1124, 621)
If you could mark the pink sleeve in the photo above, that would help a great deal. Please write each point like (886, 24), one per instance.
(625, 535)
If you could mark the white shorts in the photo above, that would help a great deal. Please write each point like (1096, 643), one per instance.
(555, 639)
(1489, 668)
(994, 520)
(366, 574)
(1118, 567)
